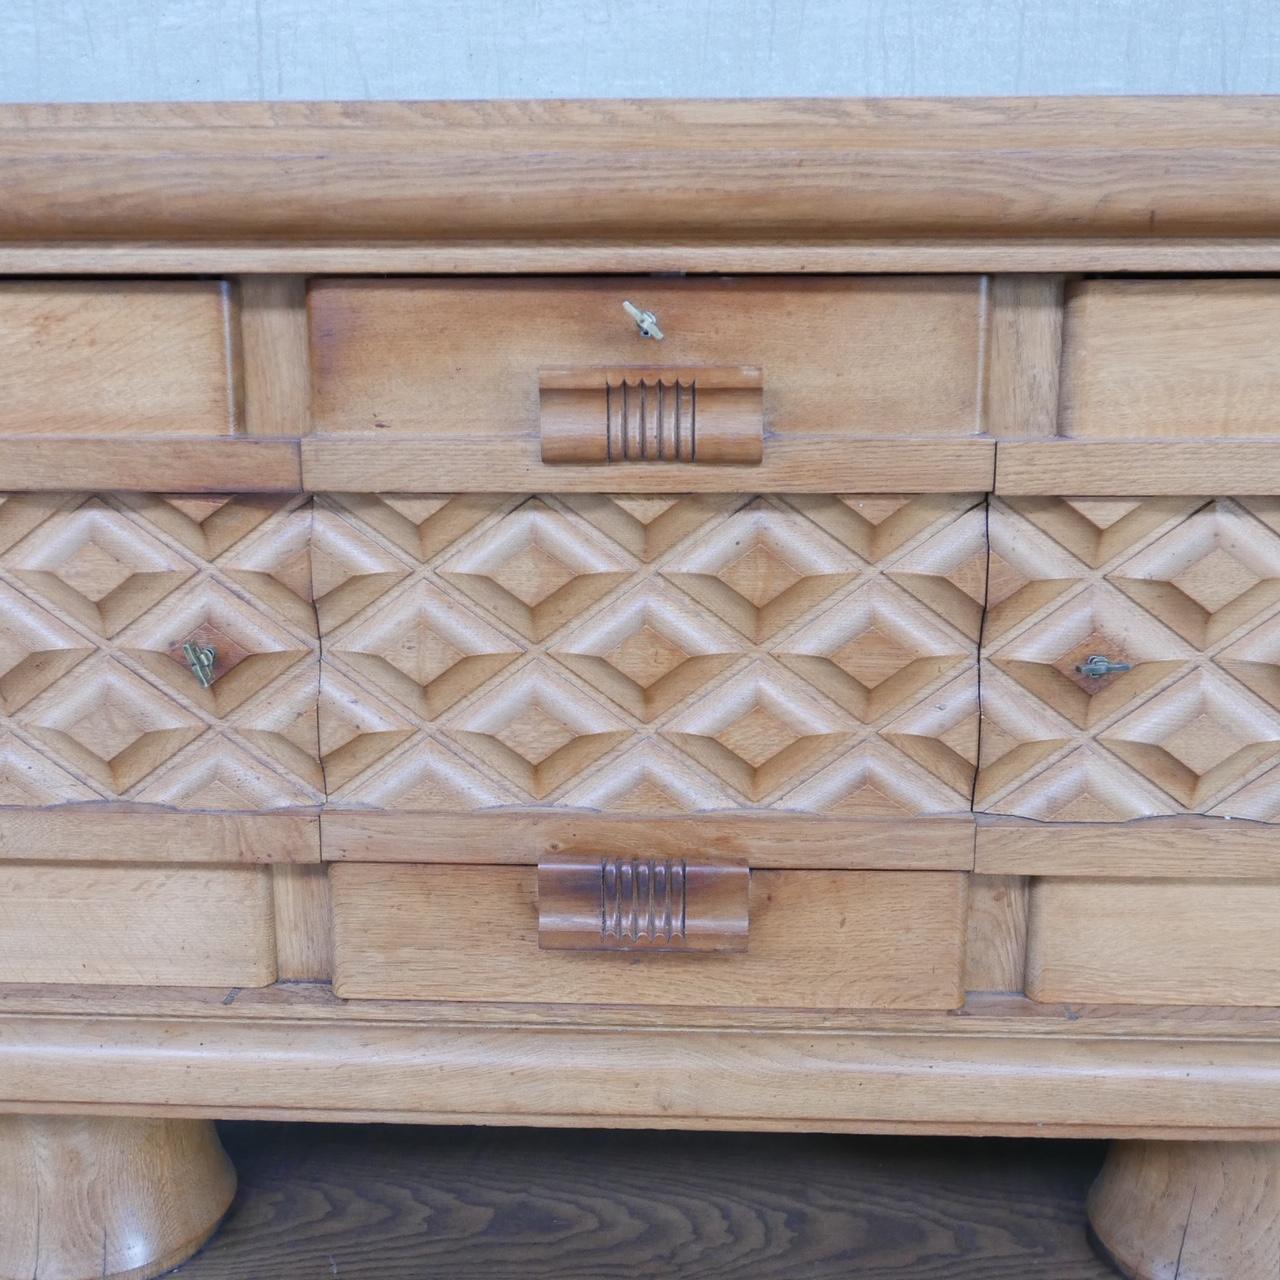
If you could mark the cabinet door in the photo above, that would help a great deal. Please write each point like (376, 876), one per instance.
(792, 680)
(1131, 659)
(157, 649)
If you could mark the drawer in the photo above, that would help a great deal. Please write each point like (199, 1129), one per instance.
(817, 940)
(847, 356)
(137, 925)
(1181, 359)
(1154, 942)
(113, 358)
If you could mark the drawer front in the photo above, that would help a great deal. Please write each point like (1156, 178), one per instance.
(1154, 942)
(136, 925)
(856, 356)
(1172, 359)
(1181, 597)
(116, 358)
(817, 940)
(709, 658)
(106, 599)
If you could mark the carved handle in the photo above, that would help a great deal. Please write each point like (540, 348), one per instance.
(641, 904)
(652, 415)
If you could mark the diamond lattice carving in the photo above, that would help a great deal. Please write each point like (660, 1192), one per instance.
(1198, 740)
(30, 779)
(348, 570)
(421, 524)
(876, 525)
(762, 569)
(1087, 785)
(1097, 530)
(759, 731)
(96, 566)
(649, 525)
(251, 650)
(1254, 660)
(35, 650)
(275, 568)
(874, 652)
(214, 774)
(871, 781)
(650, 779)
(106, 723)
(206, 523)
(940, 733)
(425, 776)
(1044, 657)
(423, 649)
(356, 730)
(1208, 576)
(948, 572)
(536, 570)
(1020, 736)
(648, 652)
(537, 730)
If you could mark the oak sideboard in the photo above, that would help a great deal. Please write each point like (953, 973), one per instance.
(690, 614)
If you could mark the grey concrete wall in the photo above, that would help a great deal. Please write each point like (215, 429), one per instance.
(120, 50)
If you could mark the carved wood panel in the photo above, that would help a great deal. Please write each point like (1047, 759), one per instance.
(652, 654)
(99, 594)
(1184, 592)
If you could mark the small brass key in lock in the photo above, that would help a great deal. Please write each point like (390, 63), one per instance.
(201, 658)
(646, 321)
(1099, 665)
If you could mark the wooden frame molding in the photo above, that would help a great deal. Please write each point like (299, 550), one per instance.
(922, 185)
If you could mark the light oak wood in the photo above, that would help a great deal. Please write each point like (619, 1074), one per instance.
(1106, 468)
(1057, 1071)
(275, 370)
(1181, 848)
(764, 840)
(1023, 354)
(641, 904)
(303, 924)
(1154, 941)
(708, 416)
(1190, 1210)
(107, 1198)
(818, 940)
(105, 923)
(722, 172)
(862, 356)
(996, 940)
(78, 833)
(346, 463)
(1181, 359)
(124, 359)
(176, 464)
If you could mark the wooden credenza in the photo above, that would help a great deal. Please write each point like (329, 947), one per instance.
(686, 615)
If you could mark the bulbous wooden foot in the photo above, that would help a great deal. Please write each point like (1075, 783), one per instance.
(1190, 1210)
(87, 1198)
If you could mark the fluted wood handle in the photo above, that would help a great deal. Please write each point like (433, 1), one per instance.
(652, 415)
(641, 904)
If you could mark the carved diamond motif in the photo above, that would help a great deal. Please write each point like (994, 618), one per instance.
(649, 779)
(1097, 530)
(538, 730)
(108, 724)
(647, 652)
(422, 524)
(535, 570)
(1208, 575)
(762, 569)
(1088, 785)
(875, 651)
(425, 651)
(758, 732)
(1043, 659)
(28, 778)
(872, 781)
(427, 777)
(35, 650)
(97, 566)
(1197, 740)
(355, 732)
(649, 525)
(876, 525)
(251, 650)
(207, 523)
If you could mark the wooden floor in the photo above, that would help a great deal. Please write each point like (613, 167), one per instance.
(319, 1201)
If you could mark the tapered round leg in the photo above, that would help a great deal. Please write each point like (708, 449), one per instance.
(86, 1198)
(1190, 1210)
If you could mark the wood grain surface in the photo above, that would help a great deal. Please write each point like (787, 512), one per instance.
(379, 1203)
